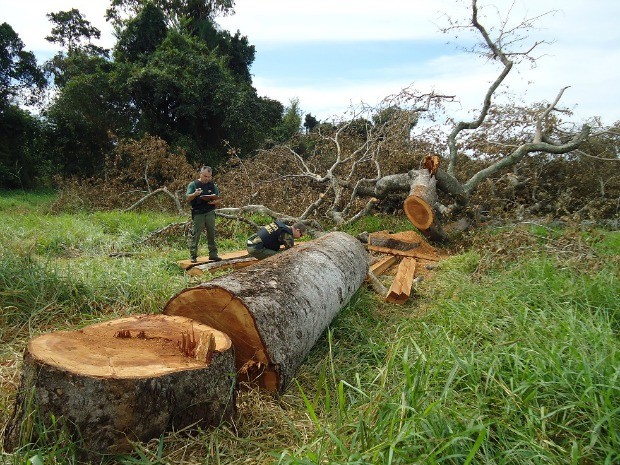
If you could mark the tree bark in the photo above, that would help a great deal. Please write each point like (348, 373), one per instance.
(275, 310)
(125, 380)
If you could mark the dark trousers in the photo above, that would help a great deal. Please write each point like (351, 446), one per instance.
(202, 221)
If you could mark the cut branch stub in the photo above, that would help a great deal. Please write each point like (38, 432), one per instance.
(276, 310)
(125, 380)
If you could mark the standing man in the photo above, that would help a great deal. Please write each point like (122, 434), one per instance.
(267, 241)
(203, 196)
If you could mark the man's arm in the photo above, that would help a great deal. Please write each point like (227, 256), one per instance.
(287, 239)
(192, 192)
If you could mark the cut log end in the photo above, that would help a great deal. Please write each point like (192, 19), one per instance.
(219, 309)
(419, 212)
(144, 345)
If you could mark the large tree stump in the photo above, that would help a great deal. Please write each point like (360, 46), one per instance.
(275, 310)
(125, 380)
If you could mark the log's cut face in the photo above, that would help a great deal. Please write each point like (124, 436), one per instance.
(130, 347)
(276, 310)
(129, 379)
(419, 212)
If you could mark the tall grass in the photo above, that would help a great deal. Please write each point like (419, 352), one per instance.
(508, 355)
(520, 366)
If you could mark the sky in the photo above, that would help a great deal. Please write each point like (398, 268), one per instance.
(334, 55)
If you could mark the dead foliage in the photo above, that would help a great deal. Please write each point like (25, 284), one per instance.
(134, 170)
(508, 245)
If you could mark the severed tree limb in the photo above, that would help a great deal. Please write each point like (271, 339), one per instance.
(376, 285)
(155, 192)
(260, 209)
(167, 229)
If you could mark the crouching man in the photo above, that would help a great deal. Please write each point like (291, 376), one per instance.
(268, 239)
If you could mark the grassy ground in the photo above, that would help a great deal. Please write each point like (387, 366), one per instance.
(509, 355)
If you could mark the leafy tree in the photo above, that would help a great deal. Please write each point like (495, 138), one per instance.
(74, 33)
(237, 49)
(71, 29)
(291, 122)
(175, 11)
(20, 77)
(142, 35)
(20, 163)
(149, 89)
(196, 107)
(21, 81)
(87, 107)
(80, 123)
(310, 122)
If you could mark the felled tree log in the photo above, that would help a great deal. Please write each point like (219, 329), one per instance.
(422, 205)
(275, 310)
(125, 380)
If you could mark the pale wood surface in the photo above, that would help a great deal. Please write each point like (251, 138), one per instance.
(185, 264)
(125, 380)
(400, 289)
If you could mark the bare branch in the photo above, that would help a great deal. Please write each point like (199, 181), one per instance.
(538, 137)
(518, 154)
(155, 192)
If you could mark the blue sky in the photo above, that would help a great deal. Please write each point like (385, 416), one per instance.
(331, 54)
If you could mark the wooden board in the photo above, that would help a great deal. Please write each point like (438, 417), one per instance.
(234, 263)
(401, 286)
(185, 264)
(384, 264)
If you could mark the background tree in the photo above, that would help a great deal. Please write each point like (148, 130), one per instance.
(84, 109)
(175, 11)
(291, 122)
(21, 82)
(148, 89)
(310, 122)
(141, 36)
(71, 29)
(20, 77)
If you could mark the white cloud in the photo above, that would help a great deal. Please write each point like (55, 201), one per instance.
(28, 18)
(585, 54)
(327, 20)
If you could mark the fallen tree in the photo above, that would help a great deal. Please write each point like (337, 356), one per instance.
(355, 165)
(275, 310)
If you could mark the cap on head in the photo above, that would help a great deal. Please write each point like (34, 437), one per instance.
(301, 227)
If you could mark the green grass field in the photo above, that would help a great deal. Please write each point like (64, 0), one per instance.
(508, 354)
